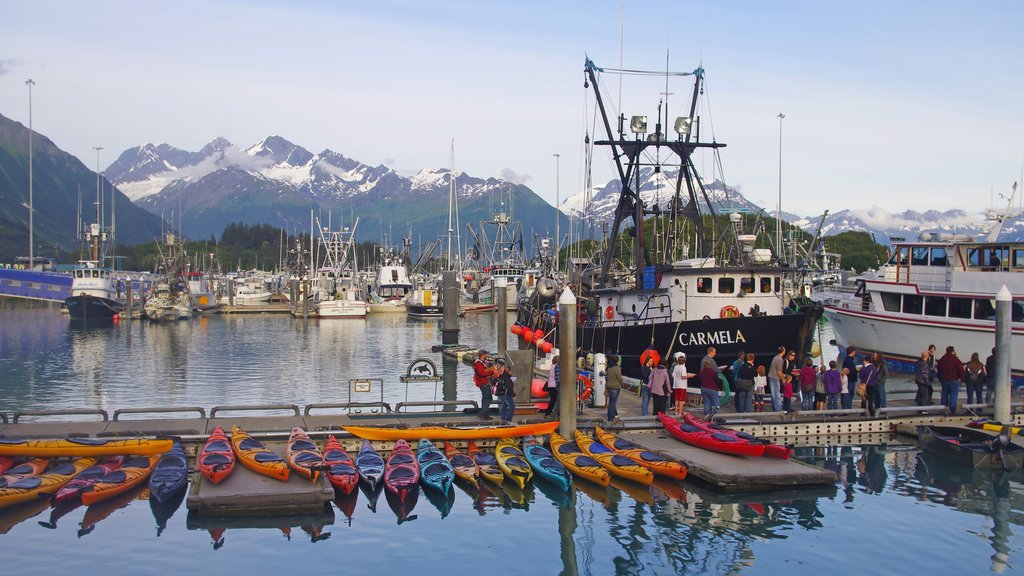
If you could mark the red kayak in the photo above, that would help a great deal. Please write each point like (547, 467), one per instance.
(341, 469)
(770, 450)
(216, 460)
(713, 441)
(402, 471)
(86, 478)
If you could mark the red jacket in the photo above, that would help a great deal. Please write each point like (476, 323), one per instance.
(481, 373)
(949, 368)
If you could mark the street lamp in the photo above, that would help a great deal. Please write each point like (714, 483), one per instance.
(778, 214)
(99, 205)
(558, 199)
(31, 213)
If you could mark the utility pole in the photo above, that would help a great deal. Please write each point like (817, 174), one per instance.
(31, 211)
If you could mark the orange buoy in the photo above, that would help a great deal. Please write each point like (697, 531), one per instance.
(650, 353)
(538, 335)
(729, 311)
(528, 335)
(609, 312)
(516, 329)
(547, 347)
(588, 387)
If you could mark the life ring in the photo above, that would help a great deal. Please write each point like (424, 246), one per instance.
(588, 387)
(609, 312)
(650, 353)
(729, 311)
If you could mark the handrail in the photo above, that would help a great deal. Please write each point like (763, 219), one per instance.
(63, 412)
(3, 416)
(253, 407)
(452, 403)
(386, 408)
(158, 409)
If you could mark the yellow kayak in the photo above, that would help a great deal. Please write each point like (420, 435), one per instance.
(84, 447)
(615, 463)
(512, 462)
(257, 457)
(577, 462)
(452, 433)
(49, 482)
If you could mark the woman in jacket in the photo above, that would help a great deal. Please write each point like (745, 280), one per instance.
(661, 388)
(613, 385)
(709, 387)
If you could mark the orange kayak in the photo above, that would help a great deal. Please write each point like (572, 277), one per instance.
(257, 457)
(656, 462)
(132, 473)
(49, 482)
(84, 447)
(216, 460)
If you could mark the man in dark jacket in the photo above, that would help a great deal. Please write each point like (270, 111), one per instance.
(923, 379)
(850, 363)
(990, 382)
(951, 373)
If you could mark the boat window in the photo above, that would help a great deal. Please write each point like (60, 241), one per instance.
(983, 309)
(704, 285)
(996, 257)
(912, 304)
(974, 257)
(1017, 311)
(935, 306)
(726, 285)
(1018, 257)
(919, 256)
(939, 257)
(778, 284)
(960, 307)
(747, 285)
(766, 285)
(891, 301)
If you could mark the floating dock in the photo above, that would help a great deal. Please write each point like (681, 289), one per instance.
(246, 493)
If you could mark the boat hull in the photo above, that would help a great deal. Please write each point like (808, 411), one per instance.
(88, 307)
(84, 447)
(969, 447)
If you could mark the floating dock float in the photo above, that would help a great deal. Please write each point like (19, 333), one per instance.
(246, 493)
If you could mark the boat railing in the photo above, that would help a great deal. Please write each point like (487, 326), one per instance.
(834, 295)
(293, 408)
(453, 405)
(158, 410)
(352, 407)
(62, 412)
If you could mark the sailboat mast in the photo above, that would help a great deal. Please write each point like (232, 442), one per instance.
(451, 198)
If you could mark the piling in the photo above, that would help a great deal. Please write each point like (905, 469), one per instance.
(567, 362)
(1004, 302)
(450, 298)
(502, 312)
(128, 302)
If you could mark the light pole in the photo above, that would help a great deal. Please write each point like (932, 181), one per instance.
(558, 199)
(99, 209)
(31, 212)
(778, 214)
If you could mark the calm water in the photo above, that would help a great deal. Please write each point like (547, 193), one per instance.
(892, 511)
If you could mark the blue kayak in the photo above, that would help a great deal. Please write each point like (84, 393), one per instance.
(435, 470)
(170, 475)
(544, 464)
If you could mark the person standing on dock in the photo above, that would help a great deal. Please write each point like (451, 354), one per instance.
(850, 364)
(883, 375)
(504, 389)
(645, 384)
(613, 385)
(951, 373)
(482, 373)
(869, 378)
(709, 387)
(661, 388)
(552, 385)
(833, 386)
(808, 379)
(974, 378)
(760, 383)
(775, 373)
(745, 375)
(990, 381)
(680, 381)
(923, 379)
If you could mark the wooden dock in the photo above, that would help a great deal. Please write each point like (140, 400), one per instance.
(246, 493)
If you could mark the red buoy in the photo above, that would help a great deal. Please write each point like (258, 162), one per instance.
(528, 335)
(516, 329)
(547, 347)
(538, 334)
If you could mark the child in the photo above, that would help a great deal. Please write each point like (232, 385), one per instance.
(787, 393)
(760, 383)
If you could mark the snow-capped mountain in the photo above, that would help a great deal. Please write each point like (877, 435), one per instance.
(909, 224)
(278, 182)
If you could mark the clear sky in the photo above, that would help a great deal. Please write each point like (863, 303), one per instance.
(899, 104)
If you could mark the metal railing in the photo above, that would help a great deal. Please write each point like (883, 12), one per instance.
(352, 407)
(254, 408)
(158, 410)
(63, 412)
(400, 408)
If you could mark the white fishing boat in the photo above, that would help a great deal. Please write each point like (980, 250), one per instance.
(391, 284)
(169, 299)
(335, 292)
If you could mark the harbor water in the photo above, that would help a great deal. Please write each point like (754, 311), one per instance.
(892, 510)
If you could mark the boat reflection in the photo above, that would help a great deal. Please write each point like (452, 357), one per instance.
(443, 502)
(371, 495)
(100, 511)
(312, 524)
(14, 515)
(162, 511)
(346, 503)
(558, 495)
(403, 508)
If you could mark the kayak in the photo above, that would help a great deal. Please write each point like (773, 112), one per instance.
(84, 447)
(256, 457)
(132, 473)
(302, 454)
(452, 433)
(655, 462)
(435, 470)
(463, 465)
(771, 450)
(971, 448)
(544, 464)
(216, 459)
(49, 482)
(575, 461)
(713, 441)
(5, 463)
(401, 471)
(170, 476)
(512, 462)
(487, 463)
(86, 478)
(984, 424)
(341, 469)
(370, 465)
(617, 464)
(33, 467)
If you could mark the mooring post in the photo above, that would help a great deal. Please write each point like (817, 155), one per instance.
(129, 300)
(567, 363)
(1004, 305)
(231, 292)
(502, 314)
(450, 300)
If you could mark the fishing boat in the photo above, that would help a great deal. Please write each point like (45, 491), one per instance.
(391, 283)
(170, 476)
(341, 469)
(464, 466)
(92, 293)
(937, 289)
(401, 471)
(169, 298)
(424, 302)
(452, 432)
(576, 461)
(370, 465)
(257, 457)
(617, 464)
(730, 293)
(336, 294)
(487, 463)
(971, 447)
(216, 459)
(657, 463)
(435, 470)
(714, 441)
(512, 462)
(771, 450)
(545, 464)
